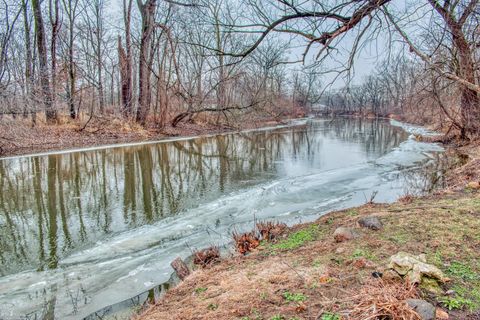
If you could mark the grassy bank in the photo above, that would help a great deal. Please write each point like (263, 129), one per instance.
(307, 274)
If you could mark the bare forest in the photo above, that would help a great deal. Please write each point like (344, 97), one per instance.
(109, 68)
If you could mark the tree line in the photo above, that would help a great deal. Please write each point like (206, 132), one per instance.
(158, 62)
(441, 38)
(163, 61)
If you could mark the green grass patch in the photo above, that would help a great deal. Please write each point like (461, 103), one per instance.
(352, 212)
(212, 306)
(456, 302)
(463, 271)
(330, 316)
(294, 297)
(297, 239)
(200, 290)
(358, 253)
(400, 237)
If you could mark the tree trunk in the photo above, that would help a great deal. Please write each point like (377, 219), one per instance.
(28, 64)
(99, 32)
(54, 21)
(221, 93)
(71, 8)
(125, 62)
(470, 100)
(147, 11)
(50, 113)
(125, 79)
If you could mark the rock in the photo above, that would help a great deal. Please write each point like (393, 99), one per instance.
(431, 285)
(344, 234)
(441, 315)
(425, 310)
(377, 274)
(450, 292)
(370, 222)
(414, 268)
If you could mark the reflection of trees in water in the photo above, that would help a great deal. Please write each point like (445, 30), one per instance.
(376, 135)
(52, 205)
(429, 175)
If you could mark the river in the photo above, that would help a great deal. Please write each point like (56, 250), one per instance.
(83, 230)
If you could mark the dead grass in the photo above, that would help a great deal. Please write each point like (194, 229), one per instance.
(320, 276)
(379, 300)
(469, 171)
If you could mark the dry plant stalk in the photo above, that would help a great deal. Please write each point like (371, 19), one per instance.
(245, 242)
(206, 256)
(270, 230)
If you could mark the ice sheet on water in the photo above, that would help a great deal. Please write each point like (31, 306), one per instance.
(413, 129)
(123, 265)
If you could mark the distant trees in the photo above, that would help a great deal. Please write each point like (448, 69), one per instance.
(172, 61)
(161, 62)
(451, 25)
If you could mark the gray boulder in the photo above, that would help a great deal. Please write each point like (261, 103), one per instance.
(344, 234)
(425, 310)
(370, 222)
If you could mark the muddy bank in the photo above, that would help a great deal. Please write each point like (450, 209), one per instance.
(309, 274)
(18, 137)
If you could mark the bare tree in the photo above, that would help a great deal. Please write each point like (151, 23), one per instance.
(125, 61)
(55, 24)
(71, 8)
(147, 11)
(334, 19)
(28, 64)
(50, 112)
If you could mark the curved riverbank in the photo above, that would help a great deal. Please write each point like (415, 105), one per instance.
(309, 275)
(19, 138)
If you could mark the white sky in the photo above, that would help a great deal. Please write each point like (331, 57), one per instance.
(365, 63)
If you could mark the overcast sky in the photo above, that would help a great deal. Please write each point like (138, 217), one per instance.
(366, 60)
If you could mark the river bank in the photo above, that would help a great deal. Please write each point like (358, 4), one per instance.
(18, 137)
(308, 274)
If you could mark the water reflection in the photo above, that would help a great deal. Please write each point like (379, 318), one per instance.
(53, 206)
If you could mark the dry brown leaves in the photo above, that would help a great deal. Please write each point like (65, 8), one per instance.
(206, 256)
(245, 242)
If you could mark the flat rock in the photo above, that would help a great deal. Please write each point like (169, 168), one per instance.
(370, 222)
(344, 234)
(425, 310)
(414, 268)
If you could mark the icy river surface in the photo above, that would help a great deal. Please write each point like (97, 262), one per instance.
(86, 229)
